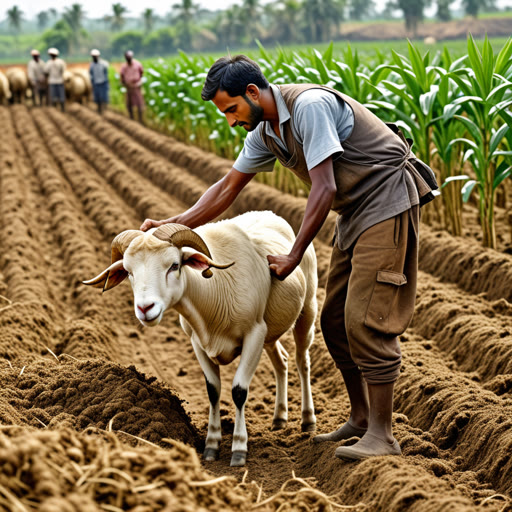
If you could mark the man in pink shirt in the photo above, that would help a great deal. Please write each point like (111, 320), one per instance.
(131, 78)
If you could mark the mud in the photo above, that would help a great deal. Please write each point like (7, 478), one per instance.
(98, 413)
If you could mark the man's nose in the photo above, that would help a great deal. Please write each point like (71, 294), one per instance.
(231, 120)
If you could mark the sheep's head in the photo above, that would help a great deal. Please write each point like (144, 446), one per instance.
(153, 262)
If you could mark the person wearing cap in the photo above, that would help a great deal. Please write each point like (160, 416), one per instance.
(37, 79)
(54, 69)
(99, 79)
(131, 78)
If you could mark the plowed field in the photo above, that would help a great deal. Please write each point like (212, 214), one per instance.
(97, 413)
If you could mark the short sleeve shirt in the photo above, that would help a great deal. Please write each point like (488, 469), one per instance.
(321, 123)
(132, 73)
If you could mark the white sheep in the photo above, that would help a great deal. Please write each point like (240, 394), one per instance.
(18, 83)
(241, 310)
(5, 90)
(75, 86)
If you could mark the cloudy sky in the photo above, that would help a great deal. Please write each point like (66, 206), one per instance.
(98, 8)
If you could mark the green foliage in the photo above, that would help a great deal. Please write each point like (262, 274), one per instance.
(455, 105)
(60, 36)
(160, 42)
(129, 40)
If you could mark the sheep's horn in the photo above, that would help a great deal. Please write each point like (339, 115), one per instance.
(121, 243)
(180, 236)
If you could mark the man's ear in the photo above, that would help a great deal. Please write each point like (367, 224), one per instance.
(253, 91)
(195, 260)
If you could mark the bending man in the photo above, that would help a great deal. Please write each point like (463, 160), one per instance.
(366, 172)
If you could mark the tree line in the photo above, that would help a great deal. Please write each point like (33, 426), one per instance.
(190, 27)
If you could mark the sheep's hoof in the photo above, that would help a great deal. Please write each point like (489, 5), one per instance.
(308, 427)
(278, 424)
(238, 459)
(210, 454)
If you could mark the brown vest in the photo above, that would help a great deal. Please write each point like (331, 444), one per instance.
(371, 149)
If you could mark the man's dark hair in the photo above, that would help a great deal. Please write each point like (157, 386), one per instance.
(233, 75)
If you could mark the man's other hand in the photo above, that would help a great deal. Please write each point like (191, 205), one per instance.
(281, 265)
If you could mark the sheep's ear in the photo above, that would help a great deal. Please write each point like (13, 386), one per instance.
(109, 278)
(195, 260)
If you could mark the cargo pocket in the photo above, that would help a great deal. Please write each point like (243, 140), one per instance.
(383, 313)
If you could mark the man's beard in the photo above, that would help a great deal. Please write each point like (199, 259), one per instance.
(255, 115)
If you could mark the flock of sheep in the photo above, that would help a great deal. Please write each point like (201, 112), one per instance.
(15, 86)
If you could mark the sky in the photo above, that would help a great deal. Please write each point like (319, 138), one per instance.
(99, 8)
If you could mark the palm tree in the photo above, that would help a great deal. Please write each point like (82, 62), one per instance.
(322, 16)
(413, 13)
(287, 21)
(149, 18)
(186, 10)
(42, 19)
(250, 13)
(74, 17)
(117, 19)
(360, 8)
(443, 10)
(15, 18)
(472, 7)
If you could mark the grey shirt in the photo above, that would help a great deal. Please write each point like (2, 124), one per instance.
(321, 123)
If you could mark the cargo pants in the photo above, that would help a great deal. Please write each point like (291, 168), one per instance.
(370, 298)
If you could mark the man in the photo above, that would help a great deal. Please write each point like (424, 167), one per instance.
(54, 69)
(99, 80)
(131, 78)
(363, 170)
(37, 79)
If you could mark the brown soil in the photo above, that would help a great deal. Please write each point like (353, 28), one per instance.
(441, 31)
(100, 414)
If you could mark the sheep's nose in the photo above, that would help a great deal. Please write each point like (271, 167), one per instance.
(146, 308)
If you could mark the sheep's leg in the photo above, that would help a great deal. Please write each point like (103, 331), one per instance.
(304, 334)
(213, 386)
(279, 358)
(249, 359)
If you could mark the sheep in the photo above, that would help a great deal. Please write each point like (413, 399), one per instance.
(75, 86)
(18, 83)
(5, 91)
(241, 310)
(84, 73)
(430, 40)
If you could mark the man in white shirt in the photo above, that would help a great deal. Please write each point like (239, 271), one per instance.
(37, 79)
(54, 69)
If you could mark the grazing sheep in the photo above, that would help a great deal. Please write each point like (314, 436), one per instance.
(5, 90)
(430, 40)
(241, 310)
(84, 73)
(75, 86)
(18, 83)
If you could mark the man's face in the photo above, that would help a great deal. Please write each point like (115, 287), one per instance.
(240, 110)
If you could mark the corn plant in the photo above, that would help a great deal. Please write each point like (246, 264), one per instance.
(486, 94)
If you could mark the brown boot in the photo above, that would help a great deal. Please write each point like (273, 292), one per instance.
(346, 431)
(368, 446)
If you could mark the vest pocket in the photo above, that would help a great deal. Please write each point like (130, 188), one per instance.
(383, 313)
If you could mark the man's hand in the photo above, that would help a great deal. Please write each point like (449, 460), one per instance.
(281, 266)
(150, 223)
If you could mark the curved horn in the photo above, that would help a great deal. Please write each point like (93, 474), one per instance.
(121, 243)
(180, 236)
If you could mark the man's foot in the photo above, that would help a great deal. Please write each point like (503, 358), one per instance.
(346, 431)
(368, 446)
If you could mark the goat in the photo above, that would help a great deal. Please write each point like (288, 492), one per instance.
(241, 310)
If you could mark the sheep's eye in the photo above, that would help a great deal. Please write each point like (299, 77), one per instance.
(174, 267)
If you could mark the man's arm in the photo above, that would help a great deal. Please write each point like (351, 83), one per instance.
(321, 196)
(217, 199)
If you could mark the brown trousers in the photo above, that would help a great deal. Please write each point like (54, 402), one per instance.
(370, 297)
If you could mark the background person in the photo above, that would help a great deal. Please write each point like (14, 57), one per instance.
(366, 172)
(131, 77)
(98, 71)
(37, 79)
(54, 69)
